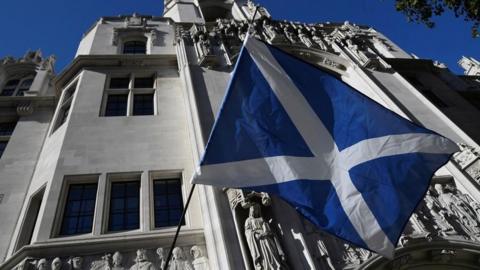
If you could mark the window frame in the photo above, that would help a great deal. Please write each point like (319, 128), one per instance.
(131, 91)
(115, 178)
(69, 180)
(21, 80)
(142, 40)
(6, 138)
(65, 102)
(165, 175)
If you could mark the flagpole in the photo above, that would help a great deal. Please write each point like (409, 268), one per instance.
(170, 252)
(178, 227)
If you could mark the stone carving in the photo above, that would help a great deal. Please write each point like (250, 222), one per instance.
(103, 264)
(75, 263)
(56, 264)
(41, 264)
(178, 261)
(117, 261)
(470, 65)
(456, 204)
(161, 257)
(264, 246)
(200, 261)
(141, 261)
(324, 256)
(466, 156)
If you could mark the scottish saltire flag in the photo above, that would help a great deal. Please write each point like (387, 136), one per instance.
(350, 166)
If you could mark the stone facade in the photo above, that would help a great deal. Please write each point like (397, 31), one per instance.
(190, 53)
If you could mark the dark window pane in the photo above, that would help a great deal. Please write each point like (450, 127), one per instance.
(143, 104)
(116, 105)
(25, 86)
(9, 88)
(6, 129)
(143, 82)
(3, 145)
(7, 92)
(119, 83)
(79, 209)
(124, 206)
(168, 203)
(134, 47)
(64, 112)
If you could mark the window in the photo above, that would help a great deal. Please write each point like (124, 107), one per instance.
(3, 145)
(124, 206)
(65, 105)
(79, 209)
(6, 130)
(135, 47)
(30, 220)
(10, 87)
(143, 104)
(17, 87)
(24, 86)
(127, 96)
(116, 105)
(168, 203)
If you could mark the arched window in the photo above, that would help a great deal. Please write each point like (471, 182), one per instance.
(135, 47)
(24, 86)
(10, 87)
(17, 87)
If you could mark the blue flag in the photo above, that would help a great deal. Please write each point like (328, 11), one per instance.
(350, 166)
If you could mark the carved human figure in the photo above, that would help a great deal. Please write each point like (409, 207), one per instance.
(456, 206)
(41, 264)
(141, 261)
(117, 259)
(324, 256)
(264, 246)
(161, 257)
(75, 263)
(56, 264)
(351, 255)
(417, 224)
(200, 261)
(179, 262)
(103, 264)
(439, 218)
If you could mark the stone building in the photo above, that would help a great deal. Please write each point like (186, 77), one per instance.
(96, 161)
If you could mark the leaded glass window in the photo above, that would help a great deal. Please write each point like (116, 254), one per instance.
(135, 47)
(124, 206)
(116, 105)
(168, 202)
(143, 104)
(79, 209)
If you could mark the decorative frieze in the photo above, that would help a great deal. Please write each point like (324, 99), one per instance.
(184, 258)
(468, 159)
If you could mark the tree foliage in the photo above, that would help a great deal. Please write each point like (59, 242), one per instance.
(423, 11)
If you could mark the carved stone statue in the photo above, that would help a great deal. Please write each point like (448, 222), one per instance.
(117, 261)
(56, 264)
(456, 206)
(351, 256)
(417, 224)
(161, 257)
(103, 264)
(141, 261)
(41, 264)
(264, 246)
(179, 262)
(324, 256)
(200, 261)
(75, 263)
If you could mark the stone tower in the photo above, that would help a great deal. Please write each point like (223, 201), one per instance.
(114, 139)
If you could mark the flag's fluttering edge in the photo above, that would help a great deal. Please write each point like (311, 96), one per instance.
(350, 166)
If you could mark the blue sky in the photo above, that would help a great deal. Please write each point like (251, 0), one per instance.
(56, 26)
